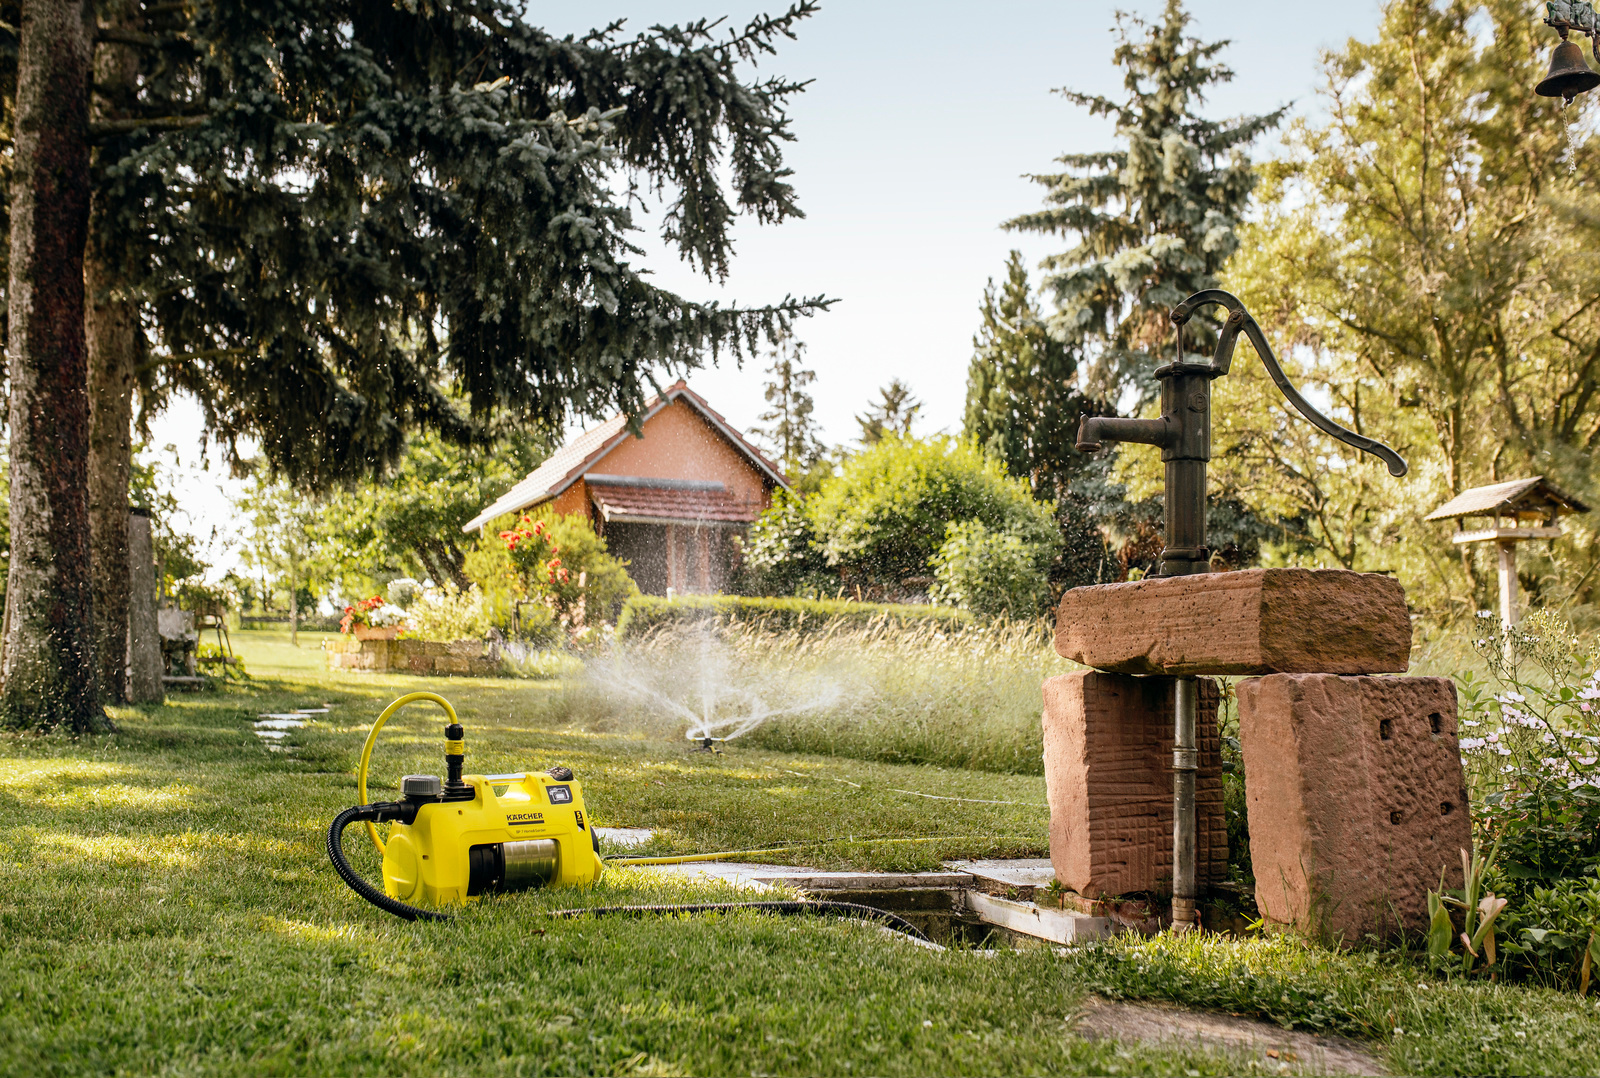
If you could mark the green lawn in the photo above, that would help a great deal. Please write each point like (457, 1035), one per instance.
(167, 906)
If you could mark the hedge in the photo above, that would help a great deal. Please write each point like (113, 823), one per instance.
(643, 614)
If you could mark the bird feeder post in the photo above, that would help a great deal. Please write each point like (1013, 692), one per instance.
(1507, 549)
(1518, 510)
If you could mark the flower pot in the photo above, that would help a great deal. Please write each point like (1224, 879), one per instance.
(373, 632)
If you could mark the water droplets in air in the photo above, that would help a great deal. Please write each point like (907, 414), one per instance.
(708, 689)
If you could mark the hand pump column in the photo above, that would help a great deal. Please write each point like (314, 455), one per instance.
(1183, 434)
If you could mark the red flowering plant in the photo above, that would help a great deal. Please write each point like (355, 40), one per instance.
(375, 612)
(537, 559)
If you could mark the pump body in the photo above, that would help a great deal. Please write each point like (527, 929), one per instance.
(515, 832)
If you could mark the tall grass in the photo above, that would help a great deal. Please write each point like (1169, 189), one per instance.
(968, 698)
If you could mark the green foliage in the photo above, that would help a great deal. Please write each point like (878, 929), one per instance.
(1023, 408)
(1531, 737)
(448, 614)
(560, 560)
(1423, 260)
(1154, 220)
(892, 413)
(782, 555)
(644, 614)
(992, 572)
(410, 523)
(881, 520)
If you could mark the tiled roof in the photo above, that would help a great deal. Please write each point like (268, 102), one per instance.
(677, 505)
(569, 463)
(1528, 495)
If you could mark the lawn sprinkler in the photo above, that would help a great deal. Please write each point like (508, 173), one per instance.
(707, 744)
(1183, 434)
(470, 835)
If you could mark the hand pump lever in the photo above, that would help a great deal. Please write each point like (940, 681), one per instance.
(1183, 434)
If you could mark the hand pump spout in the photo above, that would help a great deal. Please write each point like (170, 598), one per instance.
(1095, 430)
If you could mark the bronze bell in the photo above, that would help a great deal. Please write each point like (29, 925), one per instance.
(1570, 74)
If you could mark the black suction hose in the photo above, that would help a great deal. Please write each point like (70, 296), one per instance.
(360, 886)
(782, 909)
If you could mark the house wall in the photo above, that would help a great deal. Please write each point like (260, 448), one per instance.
(678, 444)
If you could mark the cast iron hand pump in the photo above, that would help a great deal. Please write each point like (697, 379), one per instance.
(1184, 430)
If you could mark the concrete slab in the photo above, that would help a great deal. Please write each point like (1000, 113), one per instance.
(1020, 872)
(1057, 926)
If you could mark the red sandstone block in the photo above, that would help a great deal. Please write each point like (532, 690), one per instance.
(1356, 799)
(1108, 774)
(1255, 621)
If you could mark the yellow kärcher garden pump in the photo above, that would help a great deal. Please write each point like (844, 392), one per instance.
(469, 835)
(472, 835)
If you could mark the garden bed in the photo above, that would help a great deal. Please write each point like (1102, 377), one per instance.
(474, 658)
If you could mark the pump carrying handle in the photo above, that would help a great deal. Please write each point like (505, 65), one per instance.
(372, 739)
(1239, 320)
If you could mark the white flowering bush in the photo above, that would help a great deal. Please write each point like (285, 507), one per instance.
(450, 614)
(1530, 741)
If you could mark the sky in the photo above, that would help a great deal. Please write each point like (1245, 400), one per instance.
(912, 145)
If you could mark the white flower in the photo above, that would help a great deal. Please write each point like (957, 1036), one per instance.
(1493, 739)
(1468, 744)
(1470, 722)
(1512, 698)
(1503, 750)
(1485, 615)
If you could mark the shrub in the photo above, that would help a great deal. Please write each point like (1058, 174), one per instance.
(450, 614)
(992, 572)
(883, 518)
(403, 591)
(1530, 740)
(782, 555)
(555, 558)
(644, 614)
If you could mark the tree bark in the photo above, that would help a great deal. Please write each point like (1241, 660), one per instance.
(48, 658)
(111, 328)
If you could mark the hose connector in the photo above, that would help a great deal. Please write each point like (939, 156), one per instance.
(455, 755)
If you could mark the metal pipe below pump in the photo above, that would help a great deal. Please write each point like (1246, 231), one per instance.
(1185, 762)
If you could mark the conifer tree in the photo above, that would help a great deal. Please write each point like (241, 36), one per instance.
(1153, 220)
(893, 412)
(330, 222)
(787, 426)
(1023, 407)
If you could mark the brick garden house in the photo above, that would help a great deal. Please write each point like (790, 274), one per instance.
(668, 499)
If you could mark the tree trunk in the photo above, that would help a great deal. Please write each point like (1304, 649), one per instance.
(111, 327)
(294, 608)
(48, 660)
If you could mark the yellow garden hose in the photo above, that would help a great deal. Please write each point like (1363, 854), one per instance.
(727, 855)
(372, 739)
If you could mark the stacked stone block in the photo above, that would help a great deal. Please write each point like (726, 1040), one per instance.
(1108, 744)
(1356, 799)
(1354, 787)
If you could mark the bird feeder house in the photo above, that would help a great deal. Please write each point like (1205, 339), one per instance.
(1506, 514)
